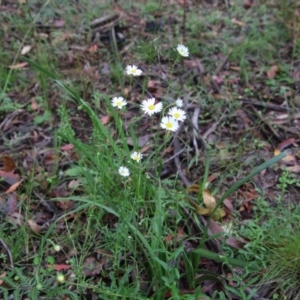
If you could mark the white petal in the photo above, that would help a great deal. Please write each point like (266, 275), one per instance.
(179, 102)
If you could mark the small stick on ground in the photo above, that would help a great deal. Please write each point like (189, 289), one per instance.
(8, 253)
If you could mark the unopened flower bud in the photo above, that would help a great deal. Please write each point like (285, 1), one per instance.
(60, 278)
(57, 248)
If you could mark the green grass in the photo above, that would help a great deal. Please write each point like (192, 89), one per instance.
(129, 238)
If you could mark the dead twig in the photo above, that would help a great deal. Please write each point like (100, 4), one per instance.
(4, 245)
(214, 125)
(264, 104)
(196, 129)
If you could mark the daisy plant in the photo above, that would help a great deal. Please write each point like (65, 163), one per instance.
(149, 107)
(118, 102)
(97, 166)
(124, 171)
(137, 156)
(133, 70)
(182, 50)
(169, 123)
(177, 113)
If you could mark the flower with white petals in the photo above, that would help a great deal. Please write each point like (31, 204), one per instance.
(169, 123)
(118, 102)
(149, 106)
(133, 70)
(123, 171)
(177, 113)
(137, 156)
(183, 50)
(179, 102)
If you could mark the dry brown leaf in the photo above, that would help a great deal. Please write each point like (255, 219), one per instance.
(34, 227)
(285, 144)
(34, 104)
(215, 227)
(73, 184)
(10, 177)
(16, 218)
(236, 243)
(67, 147)
(209, 200)
(169, 238)
(2, 275)
(65, 205)
(93, 48)
(153, 84)
(92, 267)
(59, 23)
(233, 68)
(288, 159)
(59, 267)
(239, 23)
(294, 169)
(228, 204)
(13, 187)
(248, 4)
(105, 119)
(141, 141)
(11, 204)
(18, 66)
(8, 163)
(193, 188)
(271, 73)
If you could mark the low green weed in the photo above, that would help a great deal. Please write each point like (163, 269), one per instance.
(99, 175)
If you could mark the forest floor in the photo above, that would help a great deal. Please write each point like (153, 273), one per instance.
(185, 224)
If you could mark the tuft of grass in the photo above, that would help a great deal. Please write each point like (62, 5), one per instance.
(282, 275)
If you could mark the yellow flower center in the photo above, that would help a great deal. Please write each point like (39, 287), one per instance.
(169, 125)
(151, 106)
(177, 115)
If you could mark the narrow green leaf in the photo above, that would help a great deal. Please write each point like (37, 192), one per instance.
(223, 259)
(38, 67)
(255, 171)
(88, 201)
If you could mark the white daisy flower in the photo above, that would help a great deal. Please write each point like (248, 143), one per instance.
(123, 171)
(177, 113)
(179, 102)
(137, 156)
(169, 123)
(133, 70)
(183, 50)
(118, 102)
(149, 106)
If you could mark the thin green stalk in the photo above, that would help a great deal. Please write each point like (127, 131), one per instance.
(255, 171)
